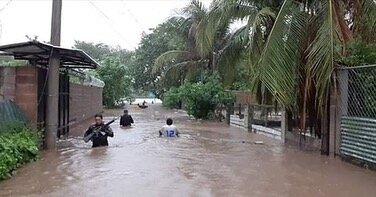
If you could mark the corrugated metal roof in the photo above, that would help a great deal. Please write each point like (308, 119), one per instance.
(39, 53)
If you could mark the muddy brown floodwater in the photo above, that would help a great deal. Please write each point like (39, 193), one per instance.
(209, 159)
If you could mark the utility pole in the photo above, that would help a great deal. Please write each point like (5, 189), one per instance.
(53, 78)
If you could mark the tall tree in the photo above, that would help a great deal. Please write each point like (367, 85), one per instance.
(163, 38)
(115, 70)
(180, 61)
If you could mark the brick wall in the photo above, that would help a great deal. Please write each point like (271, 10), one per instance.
(20, 84)
(7, 83)
(27, 91)
(85, 102)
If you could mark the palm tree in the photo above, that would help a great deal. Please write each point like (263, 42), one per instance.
(291, 45)
(179, 62)
(239, 47)
(194, 22)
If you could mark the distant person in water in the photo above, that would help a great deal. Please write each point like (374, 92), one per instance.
(126, 120)
(99, 132)
(169, 130)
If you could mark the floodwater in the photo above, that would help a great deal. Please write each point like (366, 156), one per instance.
(209, 159)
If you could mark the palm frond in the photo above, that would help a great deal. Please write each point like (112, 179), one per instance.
(365, 20)
(369, 11)
(230, 56)
(195, 9)
(205, 36)
(170, 57)
(176, 70)
(277, 66)
(182, 23)
(321, 52)
(256, 35)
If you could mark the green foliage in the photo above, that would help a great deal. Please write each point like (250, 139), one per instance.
(117, 82)
(172, 98)
(96, 50)
(359, 54)
(11, 62)
(164, 37)
(202, 98)
(18, 145)
(115, 70)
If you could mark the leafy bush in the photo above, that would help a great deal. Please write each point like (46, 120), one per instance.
(201, 98)
(172, 98)
(17, 146)
(360, 54)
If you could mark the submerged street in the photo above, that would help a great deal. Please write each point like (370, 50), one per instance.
(209, 159)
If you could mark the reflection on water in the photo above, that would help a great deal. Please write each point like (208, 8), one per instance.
(209, 159)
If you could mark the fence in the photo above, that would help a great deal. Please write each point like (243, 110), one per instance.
(10, 113)
(259, 118)
(357, 110)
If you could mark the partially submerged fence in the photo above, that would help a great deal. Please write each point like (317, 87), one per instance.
(247, 115)
(357, 86)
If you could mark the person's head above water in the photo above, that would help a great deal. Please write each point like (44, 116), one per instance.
(125, 112)
(169, 121)
(98, 119)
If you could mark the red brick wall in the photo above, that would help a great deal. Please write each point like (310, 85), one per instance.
(21, 85)
(85, 102)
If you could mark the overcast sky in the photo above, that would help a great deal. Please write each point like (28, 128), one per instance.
(114, 22)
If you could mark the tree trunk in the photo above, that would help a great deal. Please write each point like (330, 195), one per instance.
(325, 128)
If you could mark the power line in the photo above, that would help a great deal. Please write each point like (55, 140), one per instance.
(1, 29)
(103, 14)
(2, 9)
(132, 15)
(6, 5)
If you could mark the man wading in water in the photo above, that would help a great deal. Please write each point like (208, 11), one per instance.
(99, 132)
(126, 120)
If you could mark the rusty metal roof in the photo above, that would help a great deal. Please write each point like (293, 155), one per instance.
(39, 53)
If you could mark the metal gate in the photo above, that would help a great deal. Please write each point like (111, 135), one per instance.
(63, 106)
(358, 109)
(63, 123)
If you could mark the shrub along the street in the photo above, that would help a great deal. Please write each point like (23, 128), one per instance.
(18, 145)
(200, 99)
(172, 98)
